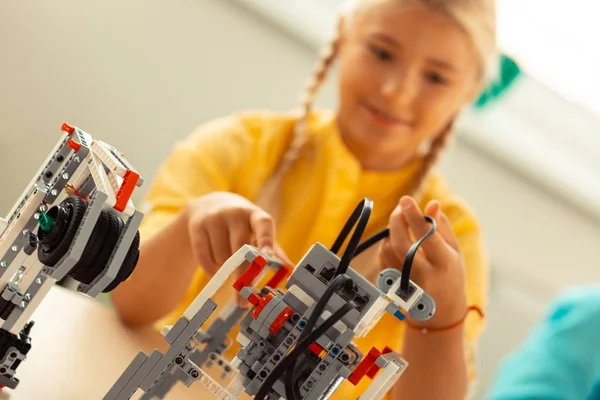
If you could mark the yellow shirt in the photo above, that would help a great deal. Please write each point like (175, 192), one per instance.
(238, 153)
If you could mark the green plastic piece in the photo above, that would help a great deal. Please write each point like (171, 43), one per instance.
(509, 72)
(46, 222)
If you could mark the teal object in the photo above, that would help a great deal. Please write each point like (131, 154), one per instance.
(561, 358)
(46, 222)
(508, 74)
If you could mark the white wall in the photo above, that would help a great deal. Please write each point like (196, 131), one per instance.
(139, 74)
(143, 73)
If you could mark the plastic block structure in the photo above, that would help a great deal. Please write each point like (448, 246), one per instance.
(75, 222)
(296, 341)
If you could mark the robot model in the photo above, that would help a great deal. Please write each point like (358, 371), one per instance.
(294, 344)
(74, 221)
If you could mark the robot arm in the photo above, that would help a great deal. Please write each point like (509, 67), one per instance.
(75, 219)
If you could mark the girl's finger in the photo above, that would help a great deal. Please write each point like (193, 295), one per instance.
(399, 233)
(283, 257)
(219, 241)
(415, 219)
(445, 229)
(388, 258)
(240, 301)
(263, 228)
(203, 251)
(240, 233)
(432, 209)
(435, 246)
(400, 238)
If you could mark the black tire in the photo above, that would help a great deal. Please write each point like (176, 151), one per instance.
(128, 266)
(92, 250)
(104, 243)
(51, 253)
(88, 273)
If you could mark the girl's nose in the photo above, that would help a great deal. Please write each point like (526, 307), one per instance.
(400, 88)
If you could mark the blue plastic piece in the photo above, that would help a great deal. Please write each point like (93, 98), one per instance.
(399, 315)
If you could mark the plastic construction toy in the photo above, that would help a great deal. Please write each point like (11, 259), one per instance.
(294, 343)
(74, 221)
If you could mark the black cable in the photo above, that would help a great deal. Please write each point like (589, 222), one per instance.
(371, 241)
(356, 214)
(335, 284)
(360, 218)
(410, 254)
(300, 348)
(291, 390)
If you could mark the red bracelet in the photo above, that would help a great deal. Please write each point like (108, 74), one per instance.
(447, 328)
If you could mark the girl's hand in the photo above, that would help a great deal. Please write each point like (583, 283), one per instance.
(438, 265)
(220, 223)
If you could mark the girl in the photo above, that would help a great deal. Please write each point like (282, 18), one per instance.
(286, 181)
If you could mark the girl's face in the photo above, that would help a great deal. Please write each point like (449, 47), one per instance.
(405, 72)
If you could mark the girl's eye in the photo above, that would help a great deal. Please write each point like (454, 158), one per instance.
(381, 54)
(436, 78)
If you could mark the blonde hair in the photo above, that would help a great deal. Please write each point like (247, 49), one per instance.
(477, 18)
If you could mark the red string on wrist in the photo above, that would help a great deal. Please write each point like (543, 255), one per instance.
(449, 327)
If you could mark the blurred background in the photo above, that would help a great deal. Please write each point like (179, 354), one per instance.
(142, 74)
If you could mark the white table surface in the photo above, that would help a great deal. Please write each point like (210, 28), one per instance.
(79, 349)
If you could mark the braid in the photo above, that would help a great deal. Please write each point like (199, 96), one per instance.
(308, 98)
(319, 74)
(268, 193)
(431, 158)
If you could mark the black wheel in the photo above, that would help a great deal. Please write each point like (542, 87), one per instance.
(82, 271)
(97, 254)
(53, 245)
(129, 264)
(86, 273)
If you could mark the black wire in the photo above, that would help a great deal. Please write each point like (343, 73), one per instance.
(410, 254)
(339, 241)
(360, 218)
(372, 240)
(291, 390)
(335, 284)
(300, 348)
